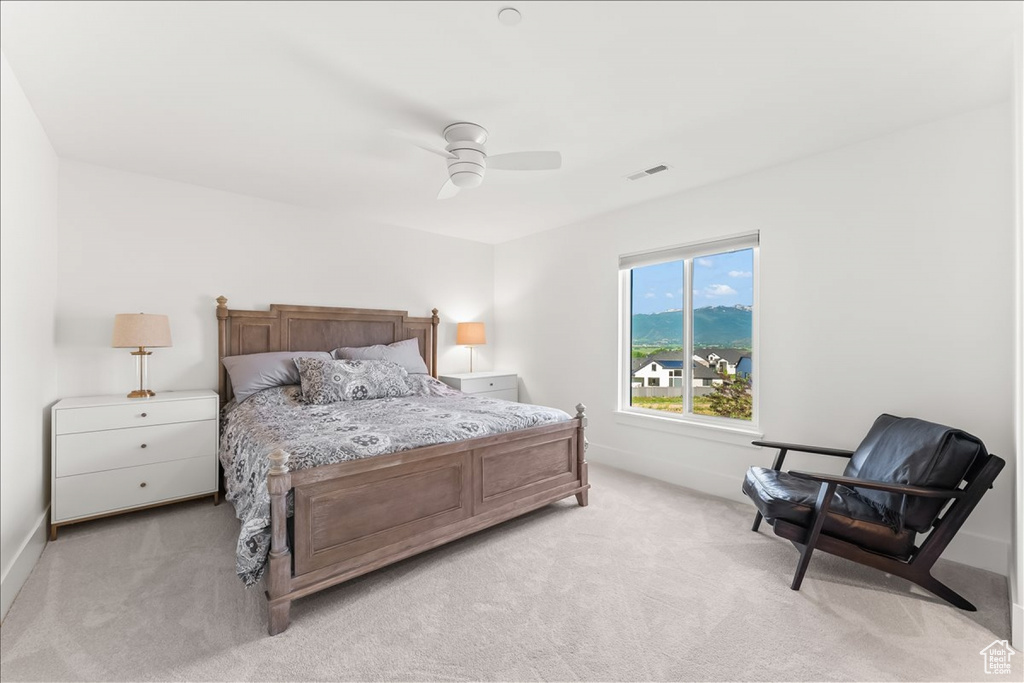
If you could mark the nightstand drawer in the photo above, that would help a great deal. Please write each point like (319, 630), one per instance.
(473, 385)
(141, 414)
(504, 394)
(98, 451)
(102, 492)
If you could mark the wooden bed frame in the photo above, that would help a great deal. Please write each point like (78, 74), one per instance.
(353, 517)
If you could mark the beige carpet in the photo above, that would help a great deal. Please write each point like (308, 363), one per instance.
(651, 582)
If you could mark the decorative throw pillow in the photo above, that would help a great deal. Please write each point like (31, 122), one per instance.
(329, 381)
(254, 372)
(406, 353)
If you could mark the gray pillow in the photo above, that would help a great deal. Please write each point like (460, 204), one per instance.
(257, 371)
(329, 381)
(405, 353)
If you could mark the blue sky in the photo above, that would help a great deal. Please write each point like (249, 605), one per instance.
(719, 280)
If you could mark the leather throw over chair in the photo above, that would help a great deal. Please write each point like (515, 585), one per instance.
(907, 477)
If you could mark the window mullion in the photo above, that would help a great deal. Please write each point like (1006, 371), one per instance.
(688, 336)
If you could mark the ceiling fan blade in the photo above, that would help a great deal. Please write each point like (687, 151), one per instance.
(448, 190)
(416, 141)
(385, 103)
(525, 161)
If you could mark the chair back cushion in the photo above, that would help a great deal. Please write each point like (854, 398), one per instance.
(915, 452)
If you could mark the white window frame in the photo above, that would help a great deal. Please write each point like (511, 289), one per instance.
(688, 252)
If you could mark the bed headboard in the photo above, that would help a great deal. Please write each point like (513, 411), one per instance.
(315, 328)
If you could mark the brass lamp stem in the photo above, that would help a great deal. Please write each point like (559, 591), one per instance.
(141, 361)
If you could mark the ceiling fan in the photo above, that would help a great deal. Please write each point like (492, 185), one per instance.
(467, 157)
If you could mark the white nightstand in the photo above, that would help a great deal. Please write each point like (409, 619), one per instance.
(112, 454)
(493, 384)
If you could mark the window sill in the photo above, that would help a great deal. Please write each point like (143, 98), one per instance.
(738, 436)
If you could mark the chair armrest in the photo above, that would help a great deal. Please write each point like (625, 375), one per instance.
(919, 491)
(837, 452)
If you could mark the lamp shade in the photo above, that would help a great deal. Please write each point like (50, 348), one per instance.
(133, 330)
(470, 334)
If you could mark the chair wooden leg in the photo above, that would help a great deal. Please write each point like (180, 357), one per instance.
(933, 585)
(825, 494)
(757, 521)
(801, 567)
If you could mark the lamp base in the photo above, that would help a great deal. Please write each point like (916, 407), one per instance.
(141, 393)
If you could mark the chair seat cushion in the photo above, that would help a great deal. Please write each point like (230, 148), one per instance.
(779, 495)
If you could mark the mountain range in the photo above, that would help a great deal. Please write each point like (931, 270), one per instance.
(728, 326)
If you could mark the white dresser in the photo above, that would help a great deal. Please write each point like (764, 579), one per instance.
(503, 385)
(112, 454)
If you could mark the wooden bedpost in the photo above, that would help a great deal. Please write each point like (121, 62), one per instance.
(581, 453)
(433, 343)
(222, 348)
(279, 482)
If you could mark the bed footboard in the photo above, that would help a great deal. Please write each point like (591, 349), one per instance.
(354, 517)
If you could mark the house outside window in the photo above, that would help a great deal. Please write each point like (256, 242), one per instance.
(689, 332)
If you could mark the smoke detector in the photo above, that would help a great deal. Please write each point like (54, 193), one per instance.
(509, 16)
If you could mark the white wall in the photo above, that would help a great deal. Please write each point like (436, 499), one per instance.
(899, 245)
(28, 376)
(1017, 572)
(134, 243)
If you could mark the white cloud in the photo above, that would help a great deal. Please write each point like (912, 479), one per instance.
(669, 295)
(718, 290)
(649, 295)
(706, 262)
(740, 273)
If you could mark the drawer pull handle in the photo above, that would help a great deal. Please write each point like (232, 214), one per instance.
(142, 485)
(143, 446)
(144, 415)
(492, 384)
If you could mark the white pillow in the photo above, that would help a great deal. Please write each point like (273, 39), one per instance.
(257, 371)
(405, 353)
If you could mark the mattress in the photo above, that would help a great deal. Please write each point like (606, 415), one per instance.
(317, 435)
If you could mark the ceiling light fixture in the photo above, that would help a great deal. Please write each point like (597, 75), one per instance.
(509, 16)
(648, 172)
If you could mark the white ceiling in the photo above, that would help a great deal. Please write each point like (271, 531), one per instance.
(291, 100)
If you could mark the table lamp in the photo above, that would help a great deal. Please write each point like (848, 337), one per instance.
(470, 334)
(141, 330)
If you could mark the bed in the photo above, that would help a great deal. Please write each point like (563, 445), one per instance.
(331, 523)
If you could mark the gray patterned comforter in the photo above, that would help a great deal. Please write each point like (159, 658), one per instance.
(348, 430)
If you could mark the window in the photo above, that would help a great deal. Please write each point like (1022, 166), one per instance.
(692, 308)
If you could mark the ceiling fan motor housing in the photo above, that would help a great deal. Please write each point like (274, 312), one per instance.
(466, 142)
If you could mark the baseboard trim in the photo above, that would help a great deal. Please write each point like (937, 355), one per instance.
(1016, 609)
(715, 483)
(970, 548)
(981, 551)
(24, 563)
(1017, 626)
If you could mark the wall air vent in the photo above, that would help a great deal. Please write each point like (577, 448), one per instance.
(647, 171)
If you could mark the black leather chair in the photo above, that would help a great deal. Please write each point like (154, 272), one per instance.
(896, 485)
